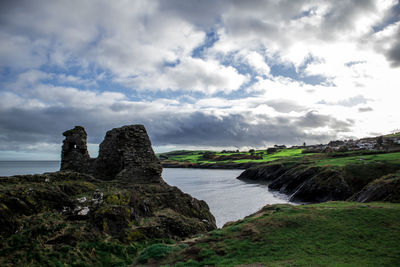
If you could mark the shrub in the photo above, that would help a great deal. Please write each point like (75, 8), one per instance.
(156, 252)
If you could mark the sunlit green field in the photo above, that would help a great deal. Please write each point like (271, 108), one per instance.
(293, 155)
(196, 156)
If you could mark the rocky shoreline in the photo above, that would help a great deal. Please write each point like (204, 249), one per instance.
(109, 206)
(312, 184)
(106, 210)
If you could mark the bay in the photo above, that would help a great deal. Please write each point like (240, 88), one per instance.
(229, 199)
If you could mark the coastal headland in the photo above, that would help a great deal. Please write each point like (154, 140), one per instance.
(116, 210)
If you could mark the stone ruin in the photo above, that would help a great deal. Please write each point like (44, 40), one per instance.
(125, 154)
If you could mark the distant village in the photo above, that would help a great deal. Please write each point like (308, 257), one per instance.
(387, 143)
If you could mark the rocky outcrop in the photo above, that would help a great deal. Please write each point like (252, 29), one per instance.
(386, 188)
(263, 173)
(304, 183)
(125, 153)
(74, 153)
(95, 207)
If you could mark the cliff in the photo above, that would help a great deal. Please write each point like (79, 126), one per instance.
(386, 188)
(311, 183)
(110, 206)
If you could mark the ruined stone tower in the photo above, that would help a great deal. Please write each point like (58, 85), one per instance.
(125, 154)
(74, 154)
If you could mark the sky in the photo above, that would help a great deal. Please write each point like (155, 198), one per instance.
(198, 74)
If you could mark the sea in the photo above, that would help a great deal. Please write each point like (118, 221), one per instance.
(229, 199)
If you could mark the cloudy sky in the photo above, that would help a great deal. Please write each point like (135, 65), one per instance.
(197, 74)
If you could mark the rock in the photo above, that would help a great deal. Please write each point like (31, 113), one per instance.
(120, 196)
(324, 185)
(125, 154)
(263, 173)
(307, 183)
(386, 188)
(302, 183)
(74, 153)
(292, 179)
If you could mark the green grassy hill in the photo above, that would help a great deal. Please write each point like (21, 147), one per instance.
(329, 234)
(286, 156)
(197, 156)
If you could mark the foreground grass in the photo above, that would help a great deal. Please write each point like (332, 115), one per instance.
(330, 234)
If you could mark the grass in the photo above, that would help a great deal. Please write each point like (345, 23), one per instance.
(291, 157)
(196, 156)
(329, 234)
(363, 159)
(393, 135)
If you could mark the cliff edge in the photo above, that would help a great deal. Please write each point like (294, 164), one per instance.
(110, 206)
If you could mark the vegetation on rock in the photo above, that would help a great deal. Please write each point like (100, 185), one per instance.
(73, 218)
(67, 217)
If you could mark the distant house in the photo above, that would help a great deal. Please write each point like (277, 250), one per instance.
(336, 143)
(366, 144)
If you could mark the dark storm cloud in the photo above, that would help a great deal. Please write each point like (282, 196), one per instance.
(314, 120)
(200, 129)
(342, 14)
(393, 54)
(21, 127)
(203, 13)
(132, 41)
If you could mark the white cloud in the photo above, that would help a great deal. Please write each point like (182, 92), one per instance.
(196, 75)
(70, 60)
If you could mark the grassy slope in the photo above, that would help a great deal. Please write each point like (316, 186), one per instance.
(393, 158)
(392, 135)
(195, 156)
(329, 234)
(295, 155)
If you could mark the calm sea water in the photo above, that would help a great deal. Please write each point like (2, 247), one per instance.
(229, 198)
(8, 168)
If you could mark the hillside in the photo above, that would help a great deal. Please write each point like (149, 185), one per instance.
(214, 159)
(329, 234)
(197, 158)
